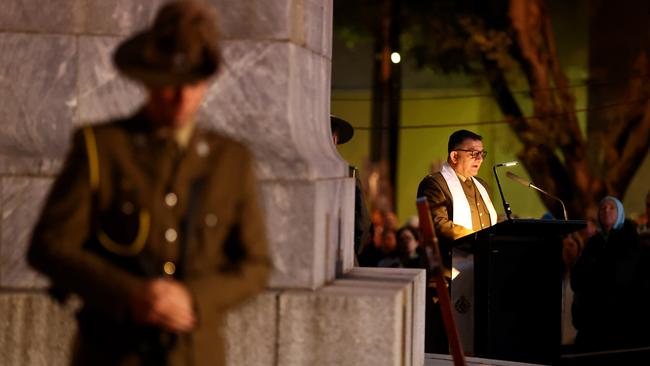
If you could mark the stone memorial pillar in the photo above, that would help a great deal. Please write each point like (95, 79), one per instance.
(273, 93)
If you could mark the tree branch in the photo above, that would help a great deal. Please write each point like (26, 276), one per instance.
(634, 150)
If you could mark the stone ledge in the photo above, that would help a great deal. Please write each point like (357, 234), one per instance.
(407, 308)
(250, 332)
(417, 279)
(34, 330)
(435, 359)
(21, 199)
(340, 326)
(351, 322)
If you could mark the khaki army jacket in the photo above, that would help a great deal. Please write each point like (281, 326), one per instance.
(200, 209)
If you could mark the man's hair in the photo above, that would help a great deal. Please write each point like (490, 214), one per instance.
(457, 138)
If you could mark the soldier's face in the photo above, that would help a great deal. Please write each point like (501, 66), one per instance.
(174, 106)
(466, 160)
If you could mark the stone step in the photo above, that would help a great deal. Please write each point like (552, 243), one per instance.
(434, 359)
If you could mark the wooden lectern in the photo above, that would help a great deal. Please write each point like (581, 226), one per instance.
(518, 288)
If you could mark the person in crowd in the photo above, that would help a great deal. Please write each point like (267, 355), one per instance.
(371, 253)
(572, 246)
(644, 224)
(411, 253)
(154, 222)
(391, 257)
(609, 281)
(342, 132)
(382, 250)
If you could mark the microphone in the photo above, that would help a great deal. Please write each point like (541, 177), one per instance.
(518, 179)
(508, 163)
(506, 205)
(530, 184)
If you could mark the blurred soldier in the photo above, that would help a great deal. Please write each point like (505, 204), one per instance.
(154, 222)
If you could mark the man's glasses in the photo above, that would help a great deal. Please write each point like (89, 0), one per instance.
(475, 153)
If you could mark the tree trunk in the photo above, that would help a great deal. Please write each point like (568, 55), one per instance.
(385, 107)
(555, 150)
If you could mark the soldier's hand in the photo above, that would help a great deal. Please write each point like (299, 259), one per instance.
(167, 304)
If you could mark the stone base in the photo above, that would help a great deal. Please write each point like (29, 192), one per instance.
(365, 318)
(370, 317)
(416, 280)
(250, 332)
(34, 330)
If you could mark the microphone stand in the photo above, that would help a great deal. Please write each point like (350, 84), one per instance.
(553, 197)
(526, 183)
(506, 205)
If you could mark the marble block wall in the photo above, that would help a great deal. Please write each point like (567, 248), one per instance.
(272, 93)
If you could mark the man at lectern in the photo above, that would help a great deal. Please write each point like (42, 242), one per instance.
(459, 201)
(460, 204)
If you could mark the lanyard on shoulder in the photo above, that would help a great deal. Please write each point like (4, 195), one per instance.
(144, 223)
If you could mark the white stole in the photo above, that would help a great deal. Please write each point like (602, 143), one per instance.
(462, 214)
(462, 288)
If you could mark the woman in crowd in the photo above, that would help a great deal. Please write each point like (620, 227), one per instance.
(609, 283)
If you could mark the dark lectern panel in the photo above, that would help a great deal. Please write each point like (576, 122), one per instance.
(517, 269)
(522, 228)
